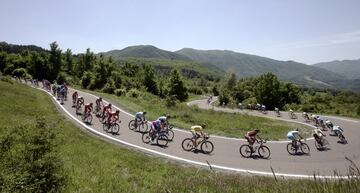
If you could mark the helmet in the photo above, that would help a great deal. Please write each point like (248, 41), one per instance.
(91, 104)
(117, 111)
(109, 105)
(203, 125)
(296, 129)
(257, 130)
(304, 113)
(144, 112)
(100, 98)
(162, 121)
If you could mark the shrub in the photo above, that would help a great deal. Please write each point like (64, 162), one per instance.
(171, 101)
(61, 78)
(86, 79)
(109, 87)
(120, 92)
(195, 90)
(28, 162)
(133, 93)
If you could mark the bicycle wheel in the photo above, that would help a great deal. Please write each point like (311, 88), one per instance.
(318, 145)
(146, 138)
(245, 151)
(305, 148)
(187, 144)
(264, 152)
(132, 125)
(88, 118)
(291, 149)
(115, 128)
(162, 140)
(105, 127)
(143, 127)
(207, 147)
(170, 134)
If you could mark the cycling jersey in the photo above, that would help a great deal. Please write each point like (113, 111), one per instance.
(292, 135)
(156, 125)
(140, 115)
(88, 108)
(196, 129)
(318, 132)
(337, 130)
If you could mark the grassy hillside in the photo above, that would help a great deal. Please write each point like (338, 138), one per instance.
(347, 68)
(245, 65)
(94, 165)
(145, 51)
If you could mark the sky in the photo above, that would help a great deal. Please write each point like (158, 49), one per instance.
(307, 31)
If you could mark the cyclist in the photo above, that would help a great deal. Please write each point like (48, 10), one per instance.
(79, 101)
(106, 109)
(313, 117)
(74, 97)
(329, 124)
(251, 137)
(318, 135)
(99, 104)
(306, 116)
(88, 108)
(139, 116)
(164, 119)
(292, 135)
(337, 130)
(157, 126)
(197, 132)
(113, 117)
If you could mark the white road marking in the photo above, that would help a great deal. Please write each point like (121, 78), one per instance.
(191, 161)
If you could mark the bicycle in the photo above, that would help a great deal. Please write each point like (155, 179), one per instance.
(322, 144)
(206, 146)
(87, 117)
(292, 148)
(342, 138)
(160, 136)
(111, 126)
(306, 118)
(141, 126)
(277, 113)
(247, 151)
(292, 115)
(169, 132)
(79, 108)
(97, 110)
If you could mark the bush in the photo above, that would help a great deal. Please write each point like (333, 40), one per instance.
(171, 101)
(109, 87)
(133, 93)
(6, 79)
(120, 92)
(28, 162)
(358, 110)
(61, 78)
(195, 90)
(86, 79)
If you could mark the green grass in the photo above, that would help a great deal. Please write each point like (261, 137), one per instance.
(219, 123)
(94, 165)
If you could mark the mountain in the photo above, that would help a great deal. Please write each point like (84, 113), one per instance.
(246, 65)
(348, 68)
(145, 51)
(16, 49)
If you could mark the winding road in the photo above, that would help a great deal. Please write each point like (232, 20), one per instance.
(226, 154)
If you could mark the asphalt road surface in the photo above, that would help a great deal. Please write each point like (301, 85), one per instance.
(226, 154)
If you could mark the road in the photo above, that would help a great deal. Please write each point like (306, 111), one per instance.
(226, 153)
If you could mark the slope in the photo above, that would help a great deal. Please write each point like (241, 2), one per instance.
(347, 68)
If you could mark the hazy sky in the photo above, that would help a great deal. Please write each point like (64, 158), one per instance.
(307, 31)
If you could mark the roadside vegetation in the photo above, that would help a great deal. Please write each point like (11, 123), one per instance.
(77, 161)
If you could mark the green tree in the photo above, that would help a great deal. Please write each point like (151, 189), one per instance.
(54, 61)
(39, 67)
(177, 86)
(86, 79)
(69, 61)
(267, 90)
(3, 61)
(149, 79)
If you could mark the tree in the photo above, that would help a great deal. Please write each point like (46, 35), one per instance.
(39, 67)
(3, 61)
(54, 61)
(149, 79)
(267, 90)
(86, 79)
(69, 62)
(230, 81)
(176, 86)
